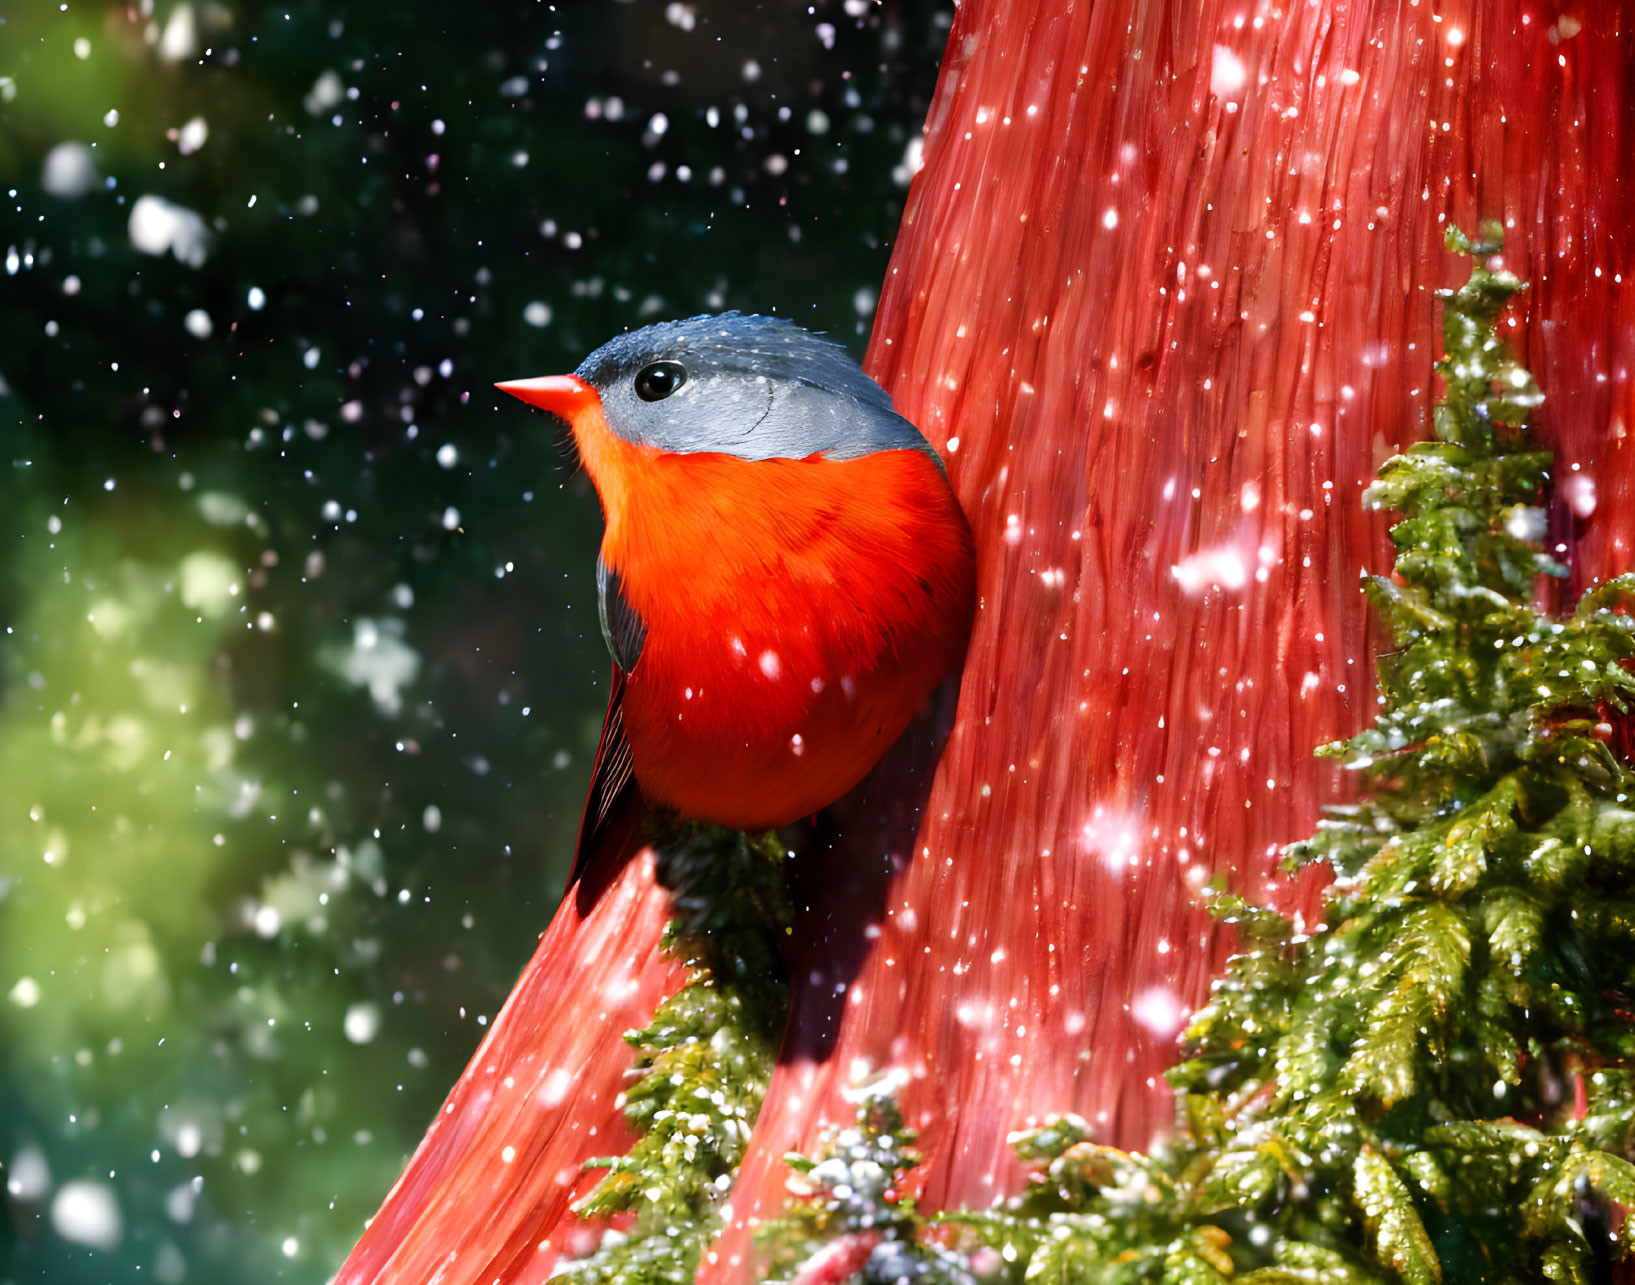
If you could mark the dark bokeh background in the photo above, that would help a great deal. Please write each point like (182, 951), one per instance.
(300, 674)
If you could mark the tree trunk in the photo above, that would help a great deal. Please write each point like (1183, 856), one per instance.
(1163, 297)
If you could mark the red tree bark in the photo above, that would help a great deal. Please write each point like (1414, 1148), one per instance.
(486, 1193)
(1163, 296)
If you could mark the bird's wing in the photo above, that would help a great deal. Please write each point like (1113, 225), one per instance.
(611, 805)
(623, 629)
(612, 783)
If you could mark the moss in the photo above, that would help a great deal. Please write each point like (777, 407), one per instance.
(703, 1063)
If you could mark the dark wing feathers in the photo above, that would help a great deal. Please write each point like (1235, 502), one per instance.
(612, 779)
(622, 627)
(612, 783)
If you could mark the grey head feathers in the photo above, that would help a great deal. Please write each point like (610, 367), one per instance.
(755, 387)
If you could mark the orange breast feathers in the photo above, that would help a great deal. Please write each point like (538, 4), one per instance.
(798, 614)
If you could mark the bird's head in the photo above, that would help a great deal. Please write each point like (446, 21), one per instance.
(756, 388)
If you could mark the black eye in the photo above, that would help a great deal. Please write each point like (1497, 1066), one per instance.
(656, 382)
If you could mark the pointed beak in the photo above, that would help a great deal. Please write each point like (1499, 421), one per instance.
(564, 395)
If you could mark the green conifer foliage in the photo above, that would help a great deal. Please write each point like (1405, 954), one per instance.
(1431, 1063)
(1438, 1085)
(857, 1219)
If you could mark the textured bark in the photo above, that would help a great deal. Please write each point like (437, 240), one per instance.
(1163, 295)
(1163, 292)
(485, 1196)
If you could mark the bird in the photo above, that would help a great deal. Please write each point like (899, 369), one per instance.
(785, 574)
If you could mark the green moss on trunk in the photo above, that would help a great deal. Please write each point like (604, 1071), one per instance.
(702, 1063)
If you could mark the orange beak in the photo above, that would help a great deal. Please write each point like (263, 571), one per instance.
(564, 395)
(578, 405)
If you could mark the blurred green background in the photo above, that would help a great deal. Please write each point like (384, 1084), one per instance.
(300, 672)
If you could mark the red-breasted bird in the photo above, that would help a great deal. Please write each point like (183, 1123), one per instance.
(785, 576)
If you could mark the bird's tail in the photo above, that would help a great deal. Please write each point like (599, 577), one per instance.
(485, 1199)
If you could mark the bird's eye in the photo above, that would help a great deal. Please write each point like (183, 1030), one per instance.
(656, 382)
